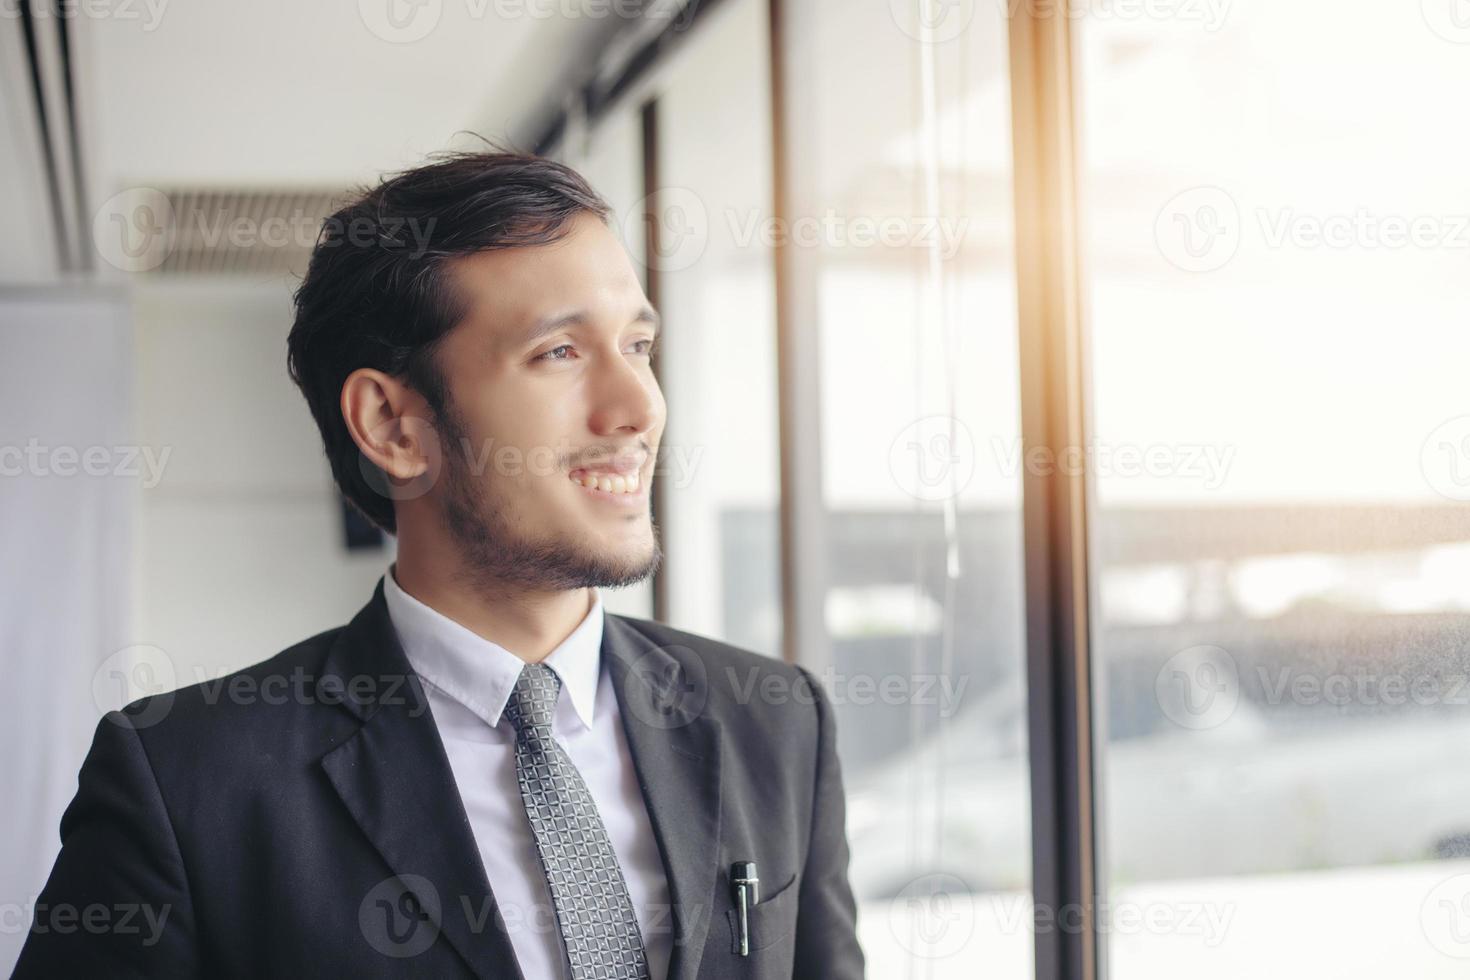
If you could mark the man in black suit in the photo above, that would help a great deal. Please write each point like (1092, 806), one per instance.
(483, 774)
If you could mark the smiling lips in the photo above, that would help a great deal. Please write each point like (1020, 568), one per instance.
(607, 481)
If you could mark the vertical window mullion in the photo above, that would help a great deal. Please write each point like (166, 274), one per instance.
(1053, 368)
(803, 513)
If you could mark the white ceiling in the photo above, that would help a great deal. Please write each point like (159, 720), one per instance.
(326, 93)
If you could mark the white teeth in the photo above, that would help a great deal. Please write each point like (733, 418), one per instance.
(609, 484)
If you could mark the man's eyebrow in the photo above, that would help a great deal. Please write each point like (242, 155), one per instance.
(550, 324)
(649, 315)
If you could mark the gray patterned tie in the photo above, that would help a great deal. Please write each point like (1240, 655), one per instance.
(596, 915)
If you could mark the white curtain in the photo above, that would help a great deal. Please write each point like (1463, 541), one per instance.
(68, 476)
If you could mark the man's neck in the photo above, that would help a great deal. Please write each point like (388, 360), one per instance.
(529, 623)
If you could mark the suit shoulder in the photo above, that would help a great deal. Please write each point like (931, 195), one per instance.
(286, 678)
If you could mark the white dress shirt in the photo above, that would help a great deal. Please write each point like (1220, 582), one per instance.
(468, 680)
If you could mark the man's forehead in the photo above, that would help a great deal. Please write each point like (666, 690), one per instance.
(507, 315)
(516, 299)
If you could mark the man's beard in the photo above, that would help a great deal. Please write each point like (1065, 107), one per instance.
(496, 554)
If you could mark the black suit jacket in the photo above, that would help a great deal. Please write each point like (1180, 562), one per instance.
(299, 818)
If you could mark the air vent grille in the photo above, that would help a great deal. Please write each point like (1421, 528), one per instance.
(240, 232)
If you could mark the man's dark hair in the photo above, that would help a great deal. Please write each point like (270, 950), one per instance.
(378, 291)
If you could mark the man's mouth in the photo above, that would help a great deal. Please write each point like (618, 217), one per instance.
(607, 481)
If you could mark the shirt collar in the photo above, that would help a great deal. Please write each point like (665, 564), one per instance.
(479, 673)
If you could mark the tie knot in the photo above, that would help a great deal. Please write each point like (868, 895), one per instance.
(533, 700)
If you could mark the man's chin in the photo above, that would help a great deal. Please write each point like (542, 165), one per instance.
(573, 556)
(618, 568)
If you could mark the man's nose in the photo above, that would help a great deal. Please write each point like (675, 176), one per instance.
(626, 398)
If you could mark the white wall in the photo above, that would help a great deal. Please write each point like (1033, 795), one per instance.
(65, 499)
(240, 548)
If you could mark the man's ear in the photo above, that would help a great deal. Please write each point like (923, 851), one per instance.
(389, 422)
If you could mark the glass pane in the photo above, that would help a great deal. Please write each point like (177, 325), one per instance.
(914, 305)
(1277, 248)
(718, 363)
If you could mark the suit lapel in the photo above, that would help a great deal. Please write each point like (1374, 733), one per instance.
(675, 745)
(394, 778)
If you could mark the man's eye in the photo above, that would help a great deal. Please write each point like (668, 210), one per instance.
(647, 346)
(549, 355)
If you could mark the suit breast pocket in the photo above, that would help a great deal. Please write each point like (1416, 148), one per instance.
(770, 920)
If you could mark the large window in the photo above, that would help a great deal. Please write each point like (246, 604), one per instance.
(1277, 244)
(1217, 275)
